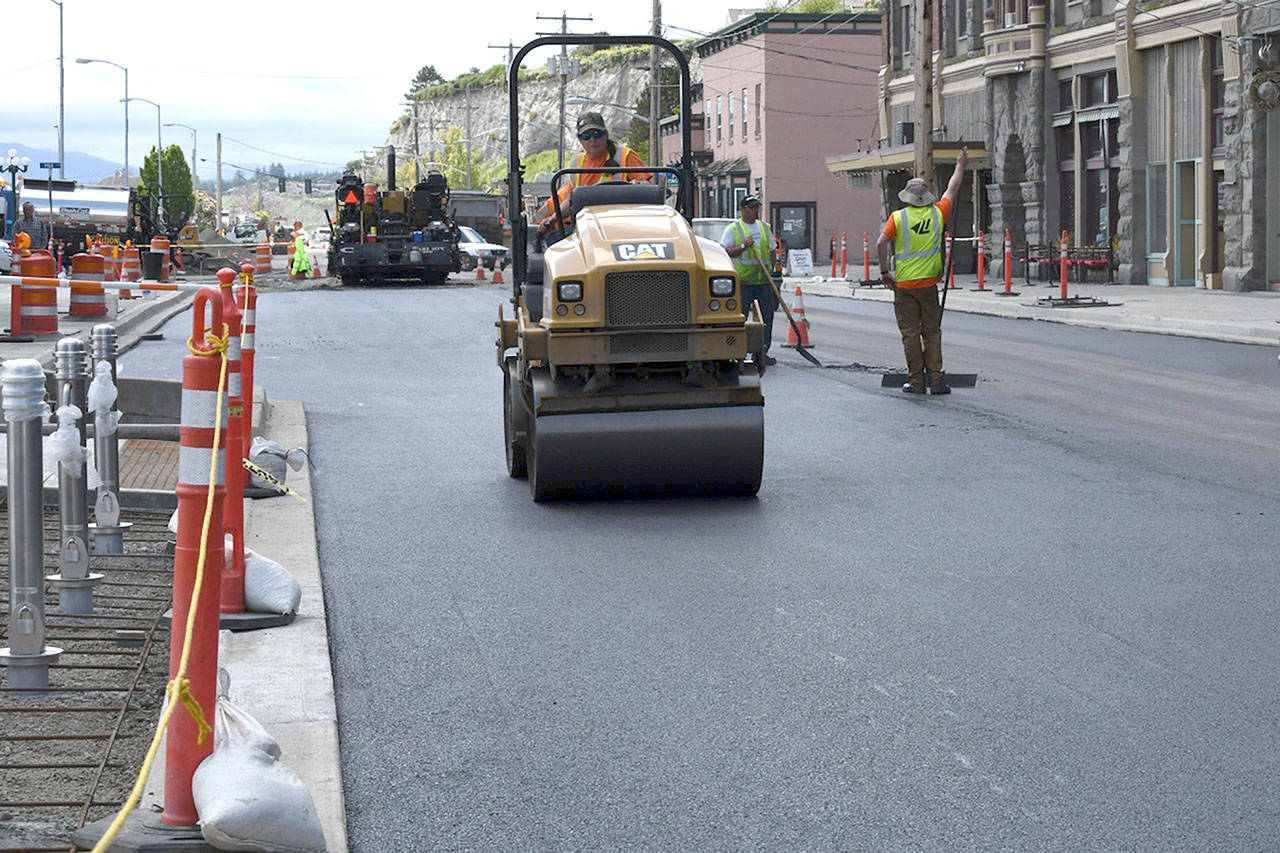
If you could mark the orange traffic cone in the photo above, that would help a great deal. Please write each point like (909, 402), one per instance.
(497, 275)
(797, 312)
(479, 272)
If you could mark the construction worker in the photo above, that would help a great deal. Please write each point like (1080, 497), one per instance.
(915, 233)
(747, 241)
(301, 263)
(598, 151)
(32, 227)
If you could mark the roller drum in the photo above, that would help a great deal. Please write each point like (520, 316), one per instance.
(695, 451)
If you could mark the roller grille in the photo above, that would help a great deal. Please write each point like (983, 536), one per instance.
(657, 298)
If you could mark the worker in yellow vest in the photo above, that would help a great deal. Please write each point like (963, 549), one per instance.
(915, 233)
(748, 241)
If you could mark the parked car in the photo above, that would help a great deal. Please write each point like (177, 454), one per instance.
(6, 257)
(476, 250)
(710, 228)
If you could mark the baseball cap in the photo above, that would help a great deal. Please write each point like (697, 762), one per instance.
(591, 121)
(749, 199)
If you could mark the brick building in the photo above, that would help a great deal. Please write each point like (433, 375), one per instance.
(1127, 124)
(778, 92)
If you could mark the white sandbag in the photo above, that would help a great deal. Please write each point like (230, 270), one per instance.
(173, 523)
(271, 457)
(268, 586)
(247, 799)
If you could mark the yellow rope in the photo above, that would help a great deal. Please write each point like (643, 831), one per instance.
(178, 689)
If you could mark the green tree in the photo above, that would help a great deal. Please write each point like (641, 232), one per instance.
(179, 194)
(810, 7)
(426, 76)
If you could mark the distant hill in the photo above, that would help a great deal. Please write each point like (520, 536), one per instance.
(84, 168)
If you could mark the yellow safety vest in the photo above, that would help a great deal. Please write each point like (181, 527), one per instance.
(917, 245)
(747, 265)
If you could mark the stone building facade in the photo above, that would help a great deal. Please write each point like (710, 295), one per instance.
(1123, 124)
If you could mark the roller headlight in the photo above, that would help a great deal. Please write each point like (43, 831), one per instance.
(569, 291)
(722, 287)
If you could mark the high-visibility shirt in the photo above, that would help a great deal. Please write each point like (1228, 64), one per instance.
(917, 243)
(747, 265)
(624, 156)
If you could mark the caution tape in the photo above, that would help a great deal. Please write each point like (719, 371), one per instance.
(263, 475)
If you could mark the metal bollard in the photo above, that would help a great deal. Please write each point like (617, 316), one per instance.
(108, 530)
(74, 581)
(27, 657)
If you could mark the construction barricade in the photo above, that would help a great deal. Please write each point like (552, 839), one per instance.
(87, 300)
(38, 296)
(262, 260)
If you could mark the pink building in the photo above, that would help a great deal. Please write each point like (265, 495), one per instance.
(778, 93)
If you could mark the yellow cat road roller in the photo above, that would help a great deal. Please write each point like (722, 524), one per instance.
(625, 364)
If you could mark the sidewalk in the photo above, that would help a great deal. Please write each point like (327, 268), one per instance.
(1245, 318)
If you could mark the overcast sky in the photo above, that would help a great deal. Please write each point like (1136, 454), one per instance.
(311, 81)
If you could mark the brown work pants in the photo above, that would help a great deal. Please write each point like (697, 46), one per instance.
(920, 320)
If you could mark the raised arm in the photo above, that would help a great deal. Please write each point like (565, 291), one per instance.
(957, 177)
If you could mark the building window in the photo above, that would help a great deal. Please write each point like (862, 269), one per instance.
(1157, 210)
(744, 113)
(962, 19)
(719, 118)
(1065, 100)
(706, 125)
(757, 109)
(1217, 96)
(730, 122)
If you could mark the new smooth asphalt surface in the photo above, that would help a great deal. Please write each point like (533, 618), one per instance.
(1020, 616)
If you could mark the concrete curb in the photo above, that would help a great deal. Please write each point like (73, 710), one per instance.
(282, 676)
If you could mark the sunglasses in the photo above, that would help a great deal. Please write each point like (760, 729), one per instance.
(590, 134)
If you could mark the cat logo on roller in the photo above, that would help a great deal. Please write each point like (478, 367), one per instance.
(644, 251)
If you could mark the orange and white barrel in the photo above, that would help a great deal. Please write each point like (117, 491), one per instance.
(131, 265)
(38, 307)
(87, 300)
(262, 260)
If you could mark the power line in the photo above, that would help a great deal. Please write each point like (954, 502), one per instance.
(278, 154)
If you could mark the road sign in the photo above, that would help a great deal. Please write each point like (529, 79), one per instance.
(53, 165)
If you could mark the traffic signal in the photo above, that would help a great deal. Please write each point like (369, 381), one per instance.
(281, 184)
(306, 186)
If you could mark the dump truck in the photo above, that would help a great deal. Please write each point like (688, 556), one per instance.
(392, 235)
(628, 366)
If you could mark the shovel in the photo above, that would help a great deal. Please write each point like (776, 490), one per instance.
(808, 356)
(955, 380)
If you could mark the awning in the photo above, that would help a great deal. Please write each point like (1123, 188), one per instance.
(735, 166)
(901, 157)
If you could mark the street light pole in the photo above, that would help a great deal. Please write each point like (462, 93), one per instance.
(195, 180)
(159, 162)
(62, 97)
(83, 61)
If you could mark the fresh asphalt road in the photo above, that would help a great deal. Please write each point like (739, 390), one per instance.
(1036, 614)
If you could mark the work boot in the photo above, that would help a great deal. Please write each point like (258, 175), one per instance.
(940, 388)
(769, 361)
(913, 388)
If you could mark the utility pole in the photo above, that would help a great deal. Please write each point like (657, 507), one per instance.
(417, 151)
(510, 48)
(217, 218)
(62, 103)
(923, 130)
(655, 90)
(563, 70)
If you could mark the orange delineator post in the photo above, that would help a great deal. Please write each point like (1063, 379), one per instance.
(844, 254)
(1063, 256)
(233, 508)
(834, 247)
(866, 256)
(200, 398)
(248, 301)
(1008, 262)
(951, 267)
(978, 248)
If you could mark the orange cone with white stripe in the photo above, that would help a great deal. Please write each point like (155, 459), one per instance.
(797, 312)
